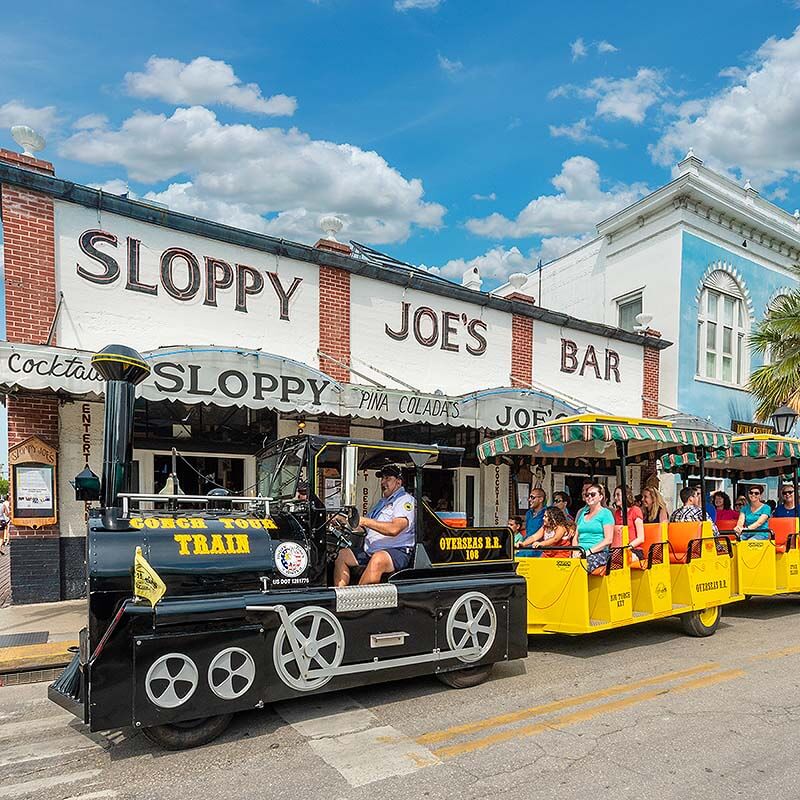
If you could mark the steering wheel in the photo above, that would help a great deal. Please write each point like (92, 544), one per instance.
(342, 525)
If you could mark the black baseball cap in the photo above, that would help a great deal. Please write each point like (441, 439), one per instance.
(389, 470)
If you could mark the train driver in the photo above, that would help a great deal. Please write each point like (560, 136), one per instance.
(391, 533)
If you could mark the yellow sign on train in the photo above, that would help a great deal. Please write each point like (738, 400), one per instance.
(146, 581)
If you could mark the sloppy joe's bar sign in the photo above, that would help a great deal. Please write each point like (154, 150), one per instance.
(227, 377)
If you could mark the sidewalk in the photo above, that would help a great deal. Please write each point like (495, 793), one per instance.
(57, 626)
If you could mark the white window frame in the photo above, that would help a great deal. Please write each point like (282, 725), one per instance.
(625, 300)
(738, 324)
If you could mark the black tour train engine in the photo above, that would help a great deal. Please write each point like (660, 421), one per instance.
(203, 606)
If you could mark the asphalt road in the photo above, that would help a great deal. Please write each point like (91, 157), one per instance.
(638, 713)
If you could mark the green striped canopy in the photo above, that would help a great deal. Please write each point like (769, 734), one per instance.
(595, 441)
(757, 456)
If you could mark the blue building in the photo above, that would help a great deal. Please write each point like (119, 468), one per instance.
(700, 260)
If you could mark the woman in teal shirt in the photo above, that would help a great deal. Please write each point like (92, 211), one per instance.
(754, 518)
(595, 525)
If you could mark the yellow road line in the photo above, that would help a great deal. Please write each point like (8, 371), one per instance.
(583, 715)
(784, 651)
(557, 705)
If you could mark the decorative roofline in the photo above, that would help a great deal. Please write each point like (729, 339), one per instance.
(96, 199)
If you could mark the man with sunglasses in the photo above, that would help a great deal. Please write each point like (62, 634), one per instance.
(534, 519)
(786, 508)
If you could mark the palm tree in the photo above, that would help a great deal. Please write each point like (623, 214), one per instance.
(777, 339)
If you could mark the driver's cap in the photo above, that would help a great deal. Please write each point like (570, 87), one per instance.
(389, 471)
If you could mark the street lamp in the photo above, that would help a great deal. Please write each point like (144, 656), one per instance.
(783, 419)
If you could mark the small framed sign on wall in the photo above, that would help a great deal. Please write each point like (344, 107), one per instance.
(32, 490)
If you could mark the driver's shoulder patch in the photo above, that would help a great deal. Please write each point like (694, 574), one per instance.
(408, 505)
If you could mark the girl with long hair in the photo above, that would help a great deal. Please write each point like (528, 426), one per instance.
(654, 506)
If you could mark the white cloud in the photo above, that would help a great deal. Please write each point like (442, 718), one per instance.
(580, 131)
(450, 67)
(620, 98)
(203, 81)
(90, 122)
(408, 5)
(579, 205)
(606, 47)
(115, 186)
(43, 120)
(490, 196)
(750, 127)
(513, 123)
(498, 263)
(266, 179)
(578, 49)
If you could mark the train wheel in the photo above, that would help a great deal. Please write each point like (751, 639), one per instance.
(192, 733)
(465, 678)
(701, 623)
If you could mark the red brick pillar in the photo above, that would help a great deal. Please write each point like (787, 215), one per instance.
(30, 272)
(521, 345)
(334, 329)
(334, 314)
(651, 369)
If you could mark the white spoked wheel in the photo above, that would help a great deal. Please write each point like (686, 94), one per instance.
(231, 673)
(171, 680)
(472, 623)
(312, 642)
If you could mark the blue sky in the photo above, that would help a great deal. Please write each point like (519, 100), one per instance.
(442, 132)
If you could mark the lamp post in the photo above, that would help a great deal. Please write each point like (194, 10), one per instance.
(783, 419)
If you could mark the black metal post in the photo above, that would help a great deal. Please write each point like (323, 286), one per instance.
(702, 460)
(622, 454)
(794, 484)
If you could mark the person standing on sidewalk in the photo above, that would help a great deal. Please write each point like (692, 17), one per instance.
(5, 522)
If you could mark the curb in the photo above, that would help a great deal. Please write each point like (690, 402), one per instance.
(36, 662)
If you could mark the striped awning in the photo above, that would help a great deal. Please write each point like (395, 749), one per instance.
(754, 456)
(593, 439)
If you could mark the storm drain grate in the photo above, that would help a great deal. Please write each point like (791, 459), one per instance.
(22, 639)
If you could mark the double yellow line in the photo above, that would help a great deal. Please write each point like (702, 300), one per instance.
(556, 723)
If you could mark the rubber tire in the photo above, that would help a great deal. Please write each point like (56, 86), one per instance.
(466, 678)
(694, 626)
(183, 737)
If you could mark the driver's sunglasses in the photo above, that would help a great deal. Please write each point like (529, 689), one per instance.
(788, 494)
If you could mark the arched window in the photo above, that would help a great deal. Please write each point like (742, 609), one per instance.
(722, 325)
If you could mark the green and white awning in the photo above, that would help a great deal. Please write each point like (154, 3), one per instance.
(593, 439)
(759, 455)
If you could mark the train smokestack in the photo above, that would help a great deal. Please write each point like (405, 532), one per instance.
(123, 369)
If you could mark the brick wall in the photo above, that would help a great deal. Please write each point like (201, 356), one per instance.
(334, 426)
(334, 321)
(651, 366)
(29, 255)
(521, 350)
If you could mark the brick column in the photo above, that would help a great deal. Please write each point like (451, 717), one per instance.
(521, 345)
(30, 273)
(334, 314)
(651, 370)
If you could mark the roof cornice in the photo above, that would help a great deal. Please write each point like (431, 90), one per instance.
(69, 192)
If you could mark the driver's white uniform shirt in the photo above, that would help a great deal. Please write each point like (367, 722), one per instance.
(399, 504)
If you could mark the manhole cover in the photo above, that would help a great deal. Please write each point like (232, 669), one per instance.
(21, 639)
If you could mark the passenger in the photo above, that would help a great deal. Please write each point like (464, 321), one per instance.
(722, 503)
(559, 531)
(537, 500)
(561, 501)
(786, 508)
(595, 525)
(654, 507)
(515, 526)
(389, 543)
(741, 502)
(635, 522)
(754, 518)
(637, 500)
(691, 511)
